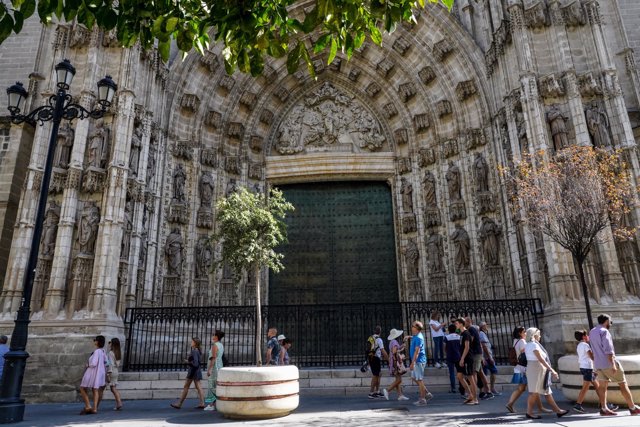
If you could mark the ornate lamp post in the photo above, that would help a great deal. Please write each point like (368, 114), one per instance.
(60, 106)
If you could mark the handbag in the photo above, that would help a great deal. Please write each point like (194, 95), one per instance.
(522, 359)
(400, 368)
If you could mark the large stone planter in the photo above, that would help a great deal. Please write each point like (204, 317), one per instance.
(572, 380)
(257, 392)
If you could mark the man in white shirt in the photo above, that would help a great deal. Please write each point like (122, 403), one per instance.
(489, 367)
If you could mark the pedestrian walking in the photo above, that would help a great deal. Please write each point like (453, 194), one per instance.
(4, 349)
(585, 363)
(273, 347)
(375, 353)
(466, 373)
(94, 377)
(453, 353)
(115, 359)
(284, 352)
(215, 363)
(477, 356)
(194, 374)
(437, 335)
(539, 374)
(419, 362)
(396, 364)
(489, 367)
(607, 367)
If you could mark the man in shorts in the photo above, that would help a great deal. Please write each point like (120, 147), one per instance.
(418, 362)
(375, 363)
(466, 374)
(607, 367)
(476, 353)
(489, 367)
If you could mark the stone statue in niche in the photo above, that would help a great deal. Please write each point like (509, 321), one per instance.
(462, 247)
(481, 172)
(128, 226)
(151, 166)
(179, 180)
(406, 189)
(521, 125)
(64, 144)
(206, 188)
(136, 146)
(598, 125)
(99, 146)
(454, 179)
(88, 228)
(429, 190)
(489, 234)
(558, 123)
(412, 257)
(435, 253)
(50, 230)
(204, 257)
(173, 251)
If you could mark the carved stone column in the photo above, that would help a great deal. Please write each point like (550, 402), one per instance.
(103, 294)
(576, 109)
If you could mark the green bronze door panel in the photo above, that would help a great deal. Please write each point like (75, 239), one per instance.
(341, 245)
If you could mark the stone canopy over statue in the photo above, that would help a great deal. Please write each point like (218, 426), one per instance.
(329, 120)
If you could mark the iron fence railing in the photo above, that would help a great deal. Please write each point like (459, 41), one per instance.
(158, 338)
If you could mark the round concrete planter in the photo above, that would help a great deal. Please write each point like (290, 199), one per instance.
(257, 392)
(571, 380)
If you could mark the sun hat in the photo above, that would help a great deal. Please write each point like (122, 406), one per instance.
(281, 337)
(394, 333)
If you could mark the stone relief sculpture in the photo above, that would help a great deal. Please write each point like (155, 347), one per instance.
(204, 257)
(598, 125)
(536, 13)
(179, 180)
(128, 226)
(454, 178)
(88, 228)
(406, 189)
(173, 251)
(64, 144)
(429, 190)
(521, 125)
(136, 146)
(481, 172)
(462, 247)
(489, 240)
(206, 188)
(573, 13)
(435, 253)
(412, 257)
(558, 123)
(99, 146)
(50, 230)
(151, 166)
(329, 119)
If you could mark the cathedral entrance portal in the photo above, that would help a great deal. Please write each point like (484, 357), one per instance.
(341, 245)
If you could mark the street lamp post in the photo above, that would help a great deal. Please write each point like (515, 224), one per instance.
(60, 107)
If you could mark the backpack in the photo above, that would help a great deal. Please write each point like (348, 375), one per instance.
(370, 347)
(513, 357)
(522, 359)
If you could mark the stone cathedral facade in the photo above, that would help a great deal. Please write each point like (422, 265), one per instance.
(433, 113)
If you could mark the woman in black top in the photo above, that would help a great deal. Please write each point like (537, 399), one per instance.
(194, 374)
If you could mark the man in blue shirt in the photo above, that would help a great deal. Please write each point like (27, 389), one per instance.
(418, 362)
(4, 349)
(273, 347)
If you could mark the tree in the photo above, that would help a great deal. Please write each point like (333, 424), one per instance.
(572, 198)
(249, 30)
(249, 227)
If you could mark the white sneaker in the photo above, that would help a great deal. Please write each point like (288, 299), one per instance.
(386, 393)
(209, 408)
(403, 397)
(438, 365)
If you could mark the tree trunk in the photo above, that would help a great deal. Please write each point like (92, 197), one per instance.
(256, 275)
(585, 291)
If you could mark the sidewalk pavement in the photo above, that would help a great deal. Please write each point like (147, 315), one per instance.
(444, 410)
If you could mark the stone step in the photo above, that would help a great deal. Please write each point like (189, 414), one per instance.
(340, 382)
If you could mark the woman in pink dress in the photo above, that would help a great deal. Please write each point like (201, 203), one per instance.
(94, 376)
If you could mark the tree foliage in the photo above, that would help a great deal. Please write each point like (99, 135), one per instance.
(249, 227)
(574, 196)
(249, 30)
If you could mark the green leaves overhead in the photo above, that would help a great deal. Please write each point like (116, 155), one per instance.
(249, 30)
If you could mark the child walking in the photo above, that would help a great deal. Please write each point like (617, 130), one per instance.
(585, 360)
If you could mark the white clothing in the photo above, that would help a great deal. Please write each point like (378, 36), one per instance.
(379, 346)
(531, 347)
(434, 333)
(519, 345)
(583, 356)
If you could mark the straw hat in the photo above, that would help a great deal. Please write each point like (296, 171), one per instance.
(394, 333)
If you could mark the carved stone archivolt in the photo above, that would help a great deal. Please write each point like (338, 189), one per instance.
(385, 67)
(421, 122)
(208, 157)
(442, 49)
(232, 165)
(465, 90)
(404, 165)
(426, 157)
(444, 108)
(210, 61)
(449, 148)
(401, 136)
(213, 119)
(427, 75)
(183, 150)
(406, 91)
(328, 119)
(190, 102)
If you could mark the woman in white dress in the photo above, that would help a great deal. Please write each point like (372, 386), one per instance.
(539, 373)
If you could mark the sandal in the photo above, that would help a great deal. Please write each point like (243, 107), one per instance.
(173, 405)
(117, 408)
(509, 407)
(85, 411)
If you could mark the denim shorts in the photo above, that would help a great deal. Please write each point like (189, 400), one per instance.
(519, 378)
(418, 371)
(588, 374)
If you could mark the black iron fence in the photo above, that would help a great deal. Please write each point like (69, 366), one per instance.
(158, 339)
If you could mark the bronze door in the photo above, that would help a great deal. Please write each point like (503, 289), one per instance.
(341, 245)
